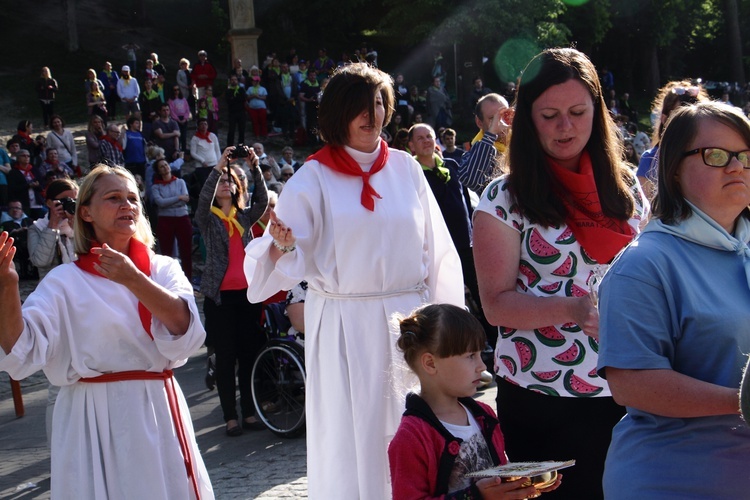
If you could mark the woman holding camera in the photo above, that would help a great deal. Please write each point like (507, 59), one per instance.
(232, 322)
(50, 241)
(51, 238)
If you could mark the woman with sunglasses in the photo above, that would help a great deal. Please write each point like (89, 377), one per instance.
(675, 322)
(232, 322)
(670, 97)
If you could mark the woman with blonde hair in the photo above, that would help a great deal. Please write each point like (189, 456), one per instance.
(46, 87)
(185, 82)
(670, 97)
(109, 329)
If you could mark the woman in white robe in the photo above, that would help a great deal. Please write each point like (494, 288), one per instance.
(362, 227)
(109, 329)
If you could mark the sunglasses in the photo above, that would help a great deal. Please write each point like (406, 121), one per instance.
(720, 158)
(691, 91)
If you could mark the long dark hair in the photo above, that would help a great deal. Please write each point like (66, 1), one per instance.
(530, 181)
(238, 197)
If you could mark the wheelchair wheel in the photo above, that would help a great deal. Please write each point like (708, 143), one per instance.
(279, 387)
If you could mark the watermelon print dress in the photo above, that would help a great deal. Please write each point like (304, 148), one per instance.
(557, 360)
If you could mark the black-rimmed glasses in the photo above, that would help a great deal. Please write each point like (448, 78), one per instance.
(720, 158)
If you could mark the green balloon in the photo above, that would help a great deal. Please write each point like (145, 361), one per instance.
(575, 3)
(512, 57)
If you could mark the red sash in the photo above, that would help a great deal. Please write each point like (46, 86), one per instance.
(140, 254)
(336, 158)
(602, 237)
(174, 408)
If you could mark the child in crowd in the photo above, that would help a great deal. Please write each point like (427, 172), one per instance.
(444, 433)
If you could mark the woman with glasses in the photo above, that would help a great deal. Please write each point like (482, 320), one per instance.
(670, 97)
(50, 241)
(179, 111)
(232, 323)
(675, 322)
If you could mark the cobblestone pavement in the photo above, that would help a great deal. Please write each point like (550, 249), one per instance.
(255, 465)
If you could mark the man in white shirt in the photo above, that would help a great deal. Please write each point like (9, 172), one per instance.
(128, 91)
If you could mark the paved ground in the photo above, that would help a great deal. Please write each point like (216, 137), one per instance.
(254, 465)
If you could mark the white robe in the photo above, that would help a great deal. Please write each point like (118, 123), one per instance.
(354, 394)
(111, 440)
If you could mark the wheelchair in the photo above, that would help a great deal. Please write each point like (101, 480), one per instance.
(278, 377)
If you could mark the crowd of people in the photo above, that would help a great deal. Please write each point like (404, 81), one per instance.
(611, 346)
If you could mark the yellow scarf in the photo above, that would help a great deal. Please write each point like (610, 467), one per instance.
(231, 220)
(500, 146)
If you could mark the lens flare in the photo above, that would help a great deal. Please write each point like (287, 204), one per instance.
(512, 57)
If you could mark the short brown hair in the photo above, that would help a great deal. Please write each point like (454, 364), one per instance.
(683, 126)
(352, 90)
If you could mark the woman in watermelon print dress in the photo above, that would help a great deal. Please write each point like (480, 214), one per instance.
(567, 206)
(677, 364)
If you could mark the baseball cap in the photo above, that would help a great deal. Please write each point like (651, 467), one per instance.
(126, 68)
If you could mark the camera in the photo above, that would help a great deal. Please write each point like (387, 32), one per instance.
(240, 151)
(68, 204)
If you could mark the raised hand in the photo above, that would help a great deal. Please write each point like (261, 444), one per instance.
(8, 274)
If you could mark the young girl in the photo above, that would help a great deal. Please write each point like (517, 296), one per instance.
(444, 433)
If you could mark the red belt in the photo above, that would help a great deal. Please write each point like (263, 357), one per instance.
(168, 377)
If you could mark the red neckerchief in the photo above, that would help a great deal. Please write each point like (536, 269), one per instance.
(140, 254)
(162, 181)
(26, 171)
(336, 158)
(25, 136)
(203, 136)
(602, 237)
(113, 142)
